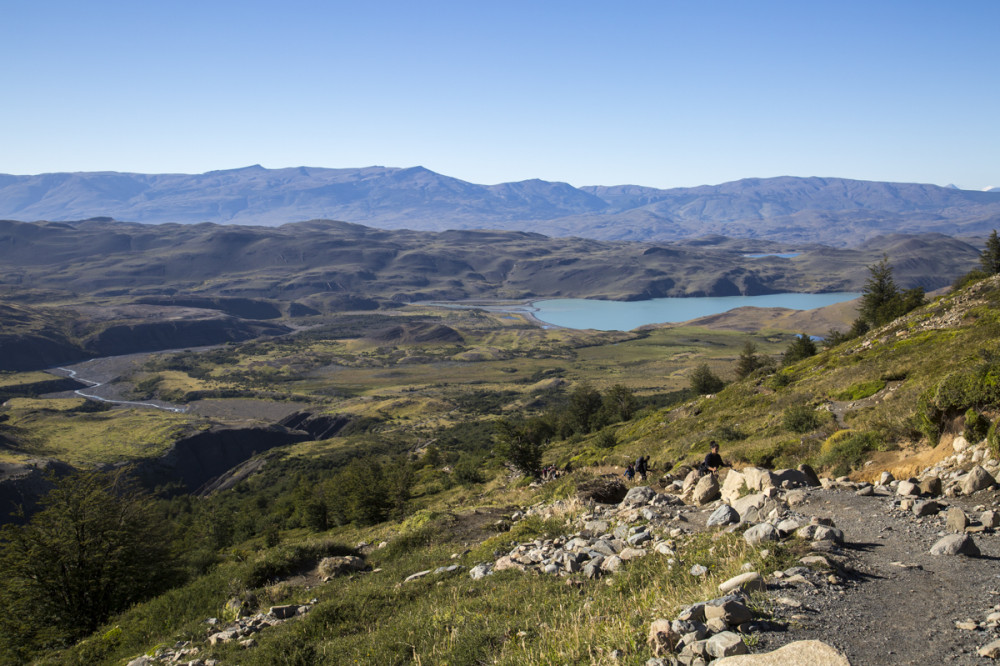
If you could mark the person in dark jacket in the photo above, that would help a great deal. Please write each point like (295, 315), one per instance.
(713, 461)
(642, 467)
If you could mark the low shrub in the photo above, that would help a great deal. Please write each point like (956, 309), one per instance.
(976, 426)
(285, 560)
(993, 439)
(800, 419)
(779, 380)
(606, 439)
(845, 450)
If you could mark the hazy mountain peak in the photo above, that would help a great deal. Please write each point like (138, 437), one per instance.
(836, 211)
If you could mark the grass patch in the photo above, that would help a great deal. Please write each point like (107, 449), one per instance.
(861, 390)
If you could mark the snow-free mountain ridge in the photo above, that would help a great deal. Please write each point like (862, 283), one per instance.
(830, 210)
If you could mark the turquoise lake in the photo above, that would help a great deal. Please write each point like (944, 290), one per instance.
(624, 316)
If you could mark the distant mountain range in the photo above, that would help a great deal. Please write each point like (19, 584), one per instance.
(833, 211)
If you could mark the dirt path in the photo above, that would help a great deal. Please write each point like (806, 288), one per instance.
(899, 604)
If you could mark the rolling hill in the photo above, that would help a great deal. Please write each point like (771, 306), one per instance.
(335, 266)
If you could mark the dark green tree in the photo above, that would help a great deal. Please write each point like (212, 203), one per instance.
(881, 299)
(369, 490)
(799, 348)
(989, 259)
(521, 444)
(834, 337)
(749, 360)
(704, 381)
(619, 403)
(95, 548)
(584, 407)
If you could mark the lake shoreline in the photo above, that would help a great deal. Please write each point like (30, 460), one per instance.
(582, 314)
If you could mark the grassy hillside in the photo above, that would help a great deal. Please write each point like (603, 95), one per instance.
(421, 475)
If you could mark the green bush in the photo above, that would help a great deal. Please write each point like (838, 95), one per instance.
(976, 426)
(928, 419)
(285, 560)
(606, 439)
(846, 449)
(779, 380)
(800, 419)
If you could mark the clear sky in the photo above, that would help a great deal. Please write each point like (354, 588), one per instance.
(666, 94)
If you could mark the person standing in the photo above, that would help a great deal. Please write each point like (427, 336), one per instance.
(642, 467)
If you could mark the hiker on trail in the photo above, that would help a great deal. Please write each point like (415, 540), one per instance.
(713, 461)
(642, 467)
(629, 472)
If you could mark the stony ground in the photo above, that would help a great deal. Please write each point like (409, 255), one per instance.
(898, 604)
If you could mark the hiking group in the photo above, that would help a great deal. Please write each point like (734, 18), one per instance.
(710, 465)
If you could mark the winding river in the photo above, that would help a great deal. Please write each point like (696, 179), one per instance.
(92, 384)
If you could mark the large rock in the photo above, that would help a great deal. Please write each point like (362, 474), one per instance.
(990, 650)
(748, 582)
(810, 474)
(799, 653)
(977, 479)
(747, 502)
(733, 486)
(794, 478)
(926, 508)
(732, 612)
(907, 489)
(760, 533)
(705, 491)
(956, 544)
(724, 515)
(931, 486)
(286, 611)
(747, 480)
(956, 520)
(481, 571)
(639, 496)
(341, 565)
(726, 644)
(690, 481)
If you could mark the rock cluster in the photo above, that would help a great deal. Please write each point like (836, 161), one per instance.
(967, 471)
(241, 631)
(608, 536)
(647, 521)
(703, 632)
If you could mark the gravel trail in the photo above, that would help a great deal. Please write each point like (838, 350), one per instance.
(898, 603)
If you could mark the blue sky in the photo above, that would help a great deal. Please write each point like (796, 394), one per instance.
(665, 94)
